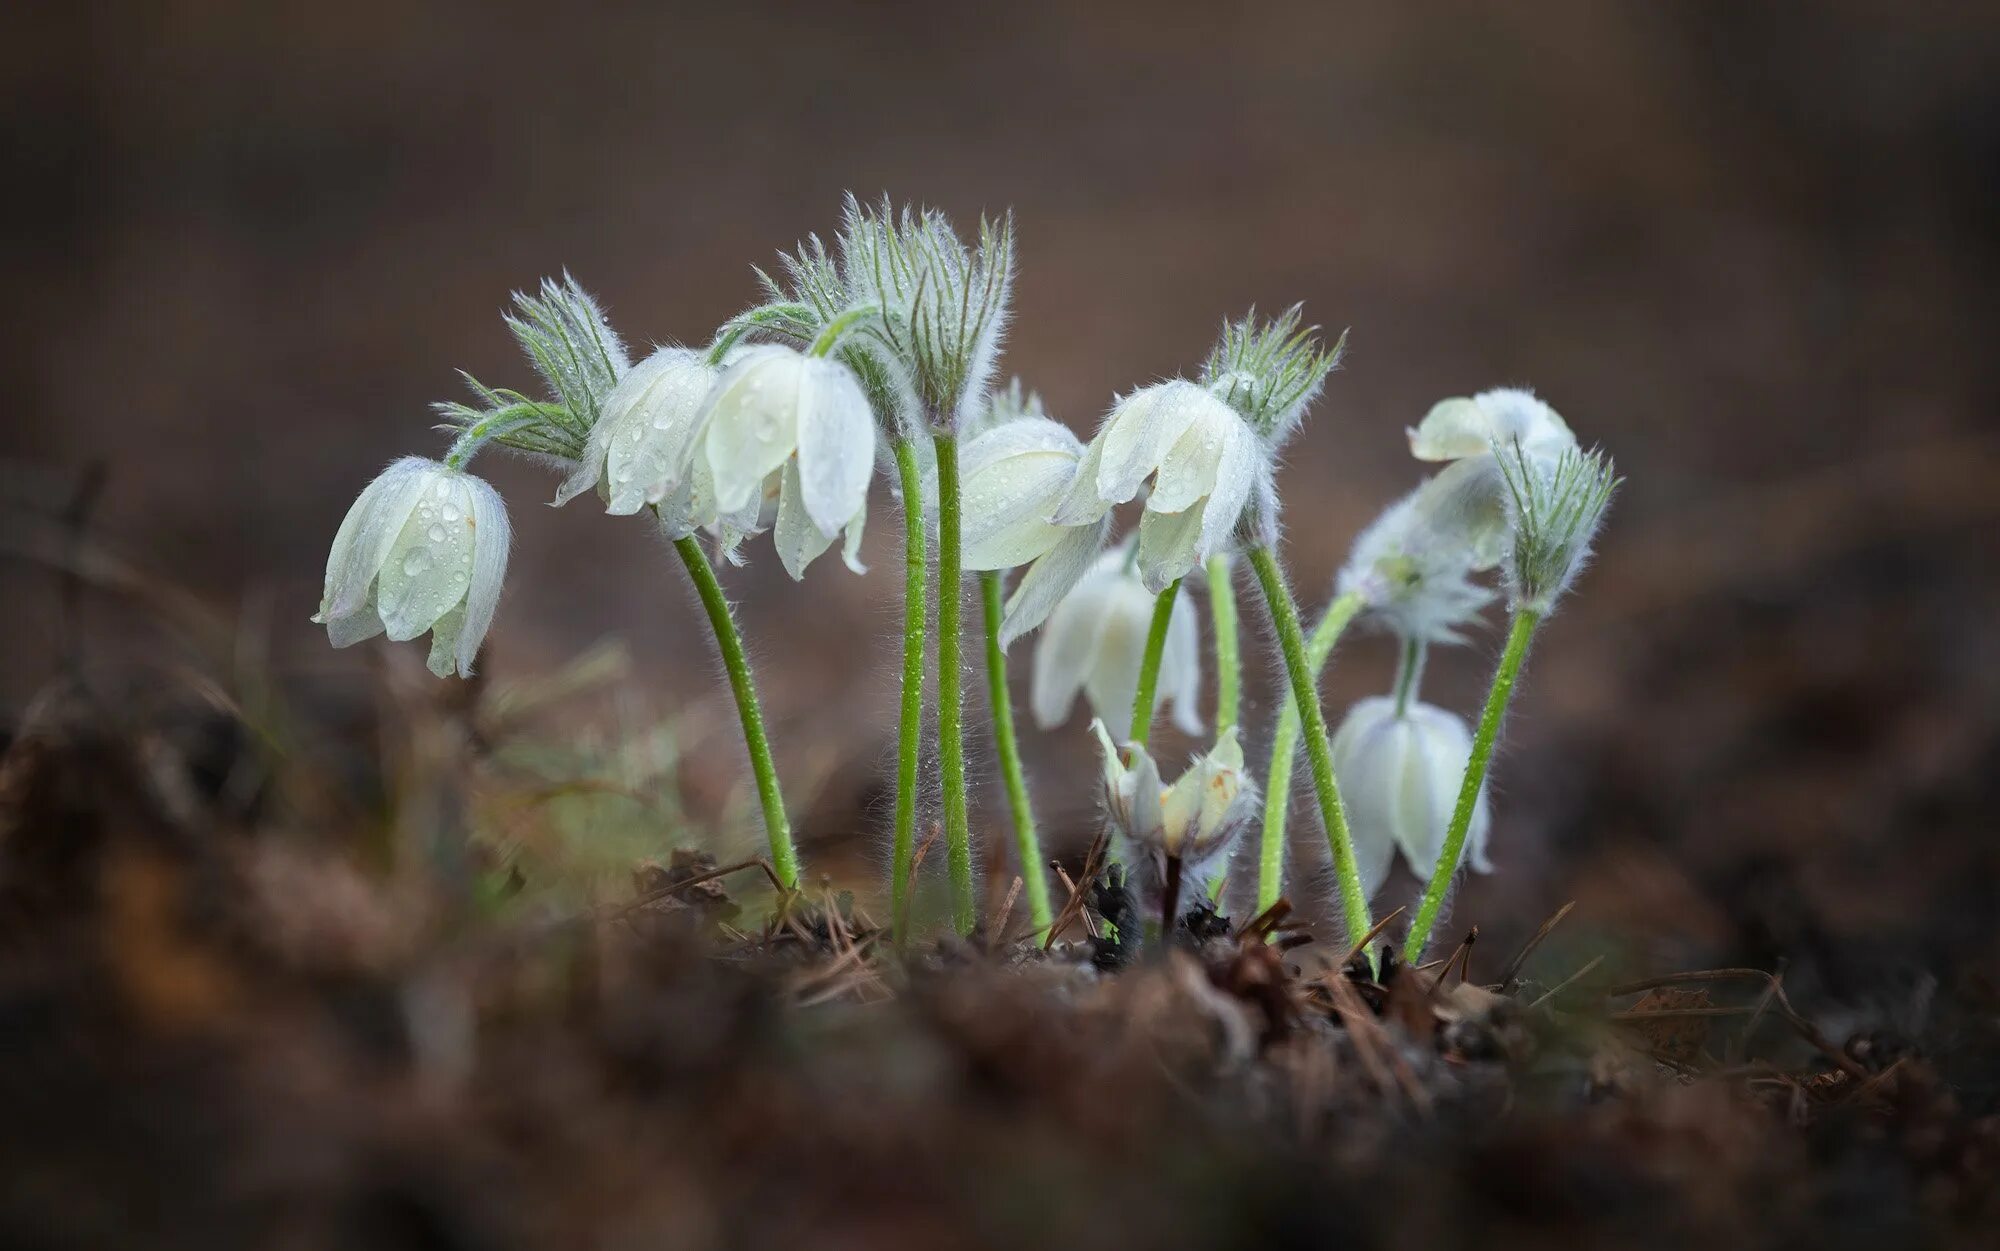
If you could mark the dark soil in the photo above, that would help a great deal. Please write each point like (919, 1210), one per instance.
(219, 1033)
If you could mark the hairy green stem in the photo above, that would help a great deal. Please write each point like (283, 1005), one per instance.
(916, 558)
(1285, 750)
(951, 727)
(1319, 753)
(1519, 635)
(1409, 674)
(829, 338)
(1028, 846)
(497, 424)
(1228, 650)
(784, 857)
(1149, 666)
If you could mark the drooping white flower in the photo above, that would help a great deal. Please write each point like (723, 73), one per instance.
(1415, 574)
(1095, 642)
(423, 548)
(1469, 494)
(1202, 459)
(1197, 820)
(643, 444)
(1012, 476)
(1400, 777)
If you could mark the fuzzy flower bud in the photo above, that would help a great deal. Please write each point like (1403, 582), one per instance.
(423, 548)
(1400, 777)
(1095, 642)
(1013, 476)
(1197, 820)
(1555, 509)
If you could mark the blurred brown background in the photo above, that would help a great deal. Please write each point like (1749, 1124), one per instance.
(1749, 247)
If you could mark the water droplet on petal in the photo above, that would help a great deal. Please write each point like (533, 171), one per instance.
(437, 534)
(417, 561)
(452, 512)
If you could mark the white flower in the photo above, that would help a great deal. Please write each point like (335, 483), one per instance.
(1400, 778)
(1197, 820)
(782, 441)
(1415, 574)
(1469, 495)
(1012, 477)
(1203, 462)
(1095, 641)
(423, 548)
(643, 444)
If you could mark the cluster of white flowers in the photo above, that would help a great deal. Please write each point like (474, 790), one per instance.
(887, 339)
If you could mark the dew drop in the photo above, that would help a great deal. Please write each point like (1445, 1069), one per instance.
(437, 534)
(442, 490)
(417, 561)
(452, 512)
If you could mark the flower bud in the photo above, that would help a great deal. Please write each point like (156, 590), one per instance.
(1554, 510)
(1400, 777)
(1469, 495)
(1095, 642)
(423, 548)
(1197, 820)
(1415, 573)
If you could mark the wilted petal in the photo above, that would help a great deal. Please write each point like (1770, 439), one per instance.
(443, 658)
(836, 433)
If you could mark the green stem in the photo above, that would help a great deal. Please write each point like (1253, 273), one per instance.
(1285, 749)
(1228, 651)
(769, 317)
(1519, 635)
(497, 424)
(1319, 753)
(915, 562)
(1149, 667)
(951, 728)
(1034, 873)
(784, 857)
(1409, 674)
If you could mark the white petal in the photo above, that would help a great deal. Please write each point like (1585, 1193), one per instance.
(1169, 544)
(850, 550)
(368, 532)
(752, 419)
(1006, 504)
(690, 506)
(1084, 504)
(1063, 655)
(1023, 436)
(836, 432)
(1141, 429)
(1111, 679)
(1518, 416)
(1453, 429)
(1180, 665)
(429, 566)
(363, 623)
(1235, 475)
(1187, 473)
(443, 658)
(1051, 578)
(588, 473)
(1366, 755)
(491, 539)
(798, 540)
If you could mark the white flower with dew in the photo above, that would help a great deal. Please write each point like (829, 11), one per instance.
(779, 417)
(423, 548)
(1400, 777)
(1469, 495)
(1012, 477)
(643, 445)
(1201, 458)
(1095, 642)
(1197, 820)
